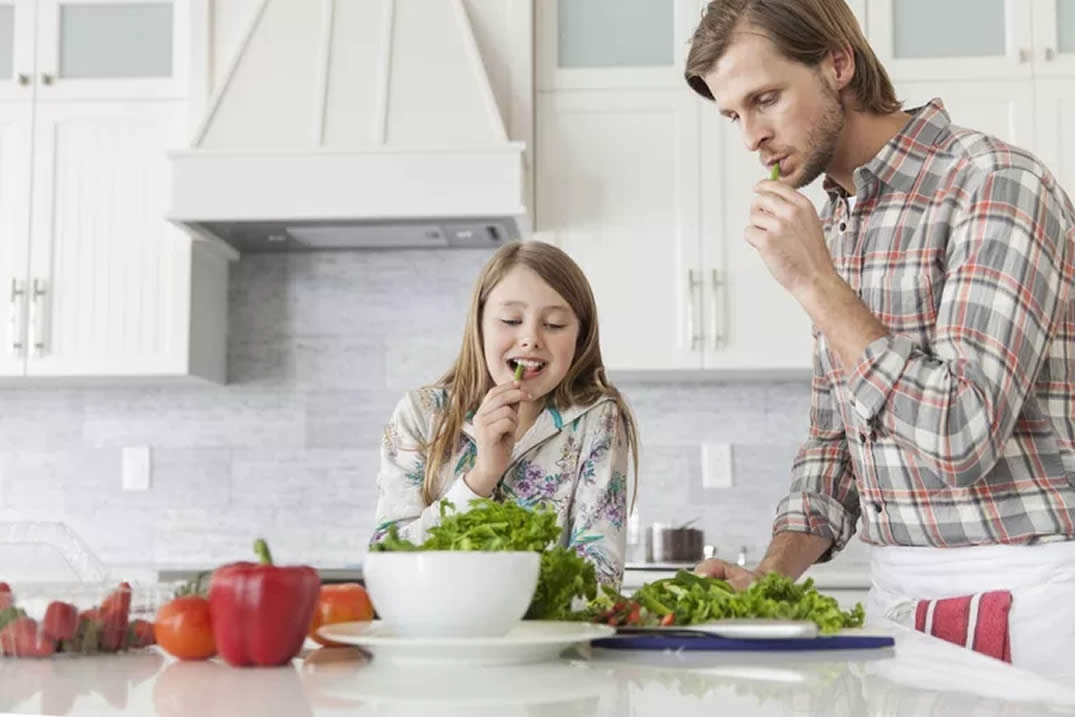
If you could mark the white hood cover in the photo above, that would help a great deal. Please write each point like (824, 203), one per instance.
(353, 123)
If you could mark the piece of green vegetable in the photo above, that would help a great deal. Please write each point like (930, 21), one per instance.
(774, 173)
(519, 369)
(690, 599)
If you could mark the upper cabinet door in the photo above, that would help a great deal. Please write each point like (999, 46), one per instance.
(109, 276)
(603, 44)
(952, 39)
(112, 49)
(1054, 38)
(751, 322)
(617, 189)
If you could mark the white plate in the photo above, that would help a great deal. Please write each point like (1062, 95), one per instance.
(529, 641)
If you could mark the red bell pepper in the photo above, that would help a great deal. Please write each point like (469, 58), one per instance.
(261, 612)
(6, 598)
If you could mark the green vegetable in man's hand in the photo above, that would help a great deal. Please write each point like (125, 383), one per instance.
(774, 173)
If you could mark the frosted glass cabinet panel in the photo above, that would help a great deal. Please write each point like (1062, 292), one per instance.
(976, 39)
(613, 44)
(123, 49)
(927, 28)
(1065, 25)
(7, 42)
(615, 33)
(120, 40)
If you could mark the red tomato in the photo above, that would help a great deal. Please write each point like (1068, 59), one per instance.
(183, 628)
(346, 602)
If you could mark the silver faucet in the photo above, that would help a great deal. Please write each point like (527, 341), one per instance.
(741, 561)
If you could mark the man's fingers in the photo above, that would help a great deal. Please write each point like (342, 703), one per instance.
(738, 577)
(764, 220)
(712, 568)
(755, 237)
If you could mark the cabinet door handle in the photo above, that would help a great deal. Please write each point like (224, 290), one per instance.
(23, 79)
(39, 307)
(1050, 54)
(696, 336)
(18, 313)
(46, 78)
(1024, 55)
(717, 319)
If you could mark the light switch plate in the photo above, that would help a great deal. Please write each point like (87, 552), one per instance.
(717, 465)
(136, 468)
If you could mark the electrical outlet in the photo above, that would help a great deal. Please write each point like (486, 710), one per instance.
(717, 465)
(136, 468)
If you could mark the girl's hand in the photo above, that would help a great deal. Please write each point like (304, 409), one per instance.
(495, 423)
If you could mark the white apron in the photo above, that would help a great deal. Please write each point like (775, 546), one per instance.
(1041, 578)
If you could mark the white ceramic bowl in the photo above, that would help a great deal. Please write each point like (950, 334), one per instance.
(451, 593)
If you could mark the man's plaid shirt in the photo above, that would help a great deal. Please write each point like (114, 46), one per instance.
(958, 428)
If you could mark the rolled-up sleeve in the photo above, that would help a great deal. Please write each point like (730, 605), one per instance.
(822, 499)
(954, 403)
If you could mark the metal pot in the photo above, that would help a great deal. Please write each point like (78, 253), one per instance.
(668, 544)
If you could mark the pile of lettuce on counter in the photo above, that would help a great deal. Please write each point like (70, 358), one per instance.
(567, 586)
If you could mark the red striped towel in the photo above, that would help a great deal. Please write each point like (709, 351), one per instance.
(978, 621)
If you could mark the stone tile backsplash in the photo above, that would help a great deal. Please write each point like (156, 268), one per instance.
(321, 347)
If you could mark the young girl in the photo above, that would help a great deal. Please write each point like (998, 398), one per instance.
(561, 434)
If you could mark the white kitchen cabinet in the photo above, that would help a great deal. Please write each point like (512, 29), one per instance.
(608, 44)
(1054, 38)
(1055, 104)
(100, 285)
(617, 188)
(1002, 108)
(953, 39)
(750, 321)
(112, 49)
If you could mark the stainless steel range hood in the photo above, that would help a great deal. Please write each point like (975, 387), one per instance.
(353, 123)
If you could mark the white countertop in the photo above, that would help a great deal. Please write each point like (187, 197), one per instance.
(920, 676)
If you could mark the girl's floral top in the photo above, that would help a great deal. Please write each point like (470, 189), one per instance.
(575, 460)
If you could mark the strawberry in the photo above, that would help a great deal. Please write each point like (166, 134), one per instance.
(115, 613)
(21, 638)
(61, 620)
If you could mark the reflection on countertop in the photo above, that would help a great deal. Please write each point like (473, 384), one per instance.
(920, 676)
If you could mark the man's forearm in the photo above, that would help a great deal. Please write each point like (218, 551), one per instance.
(791, 554)
(846, 322)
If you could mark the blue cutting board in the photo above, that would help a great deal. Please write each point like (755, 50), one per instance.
(713, 643)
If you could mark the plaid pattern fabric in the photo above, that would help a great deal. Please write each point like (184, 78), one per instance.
(958, 428)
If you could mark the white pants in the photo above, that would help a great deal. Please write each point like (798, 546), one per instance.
(1041, 578)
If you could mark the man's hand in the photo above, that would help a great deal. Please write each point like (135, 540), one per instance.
(739, 578)
(786, 231)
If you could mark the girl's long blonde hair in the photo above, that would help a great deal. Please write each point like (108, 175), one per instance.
(468, 380)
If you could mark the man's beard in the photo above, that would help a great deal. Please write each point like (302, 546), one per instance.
(822, 138)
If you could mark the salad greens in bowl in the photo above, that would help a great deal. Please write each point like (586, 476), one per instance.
(477, 573)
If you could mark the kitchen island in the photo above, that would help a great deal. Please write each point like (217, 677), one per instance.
(919, 676)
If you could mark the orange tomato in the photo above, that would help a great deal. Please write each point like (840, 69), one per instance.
(183, 628)
(346, 602)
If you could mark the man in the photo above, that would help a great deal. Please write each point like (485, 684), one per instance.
(939, 281)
